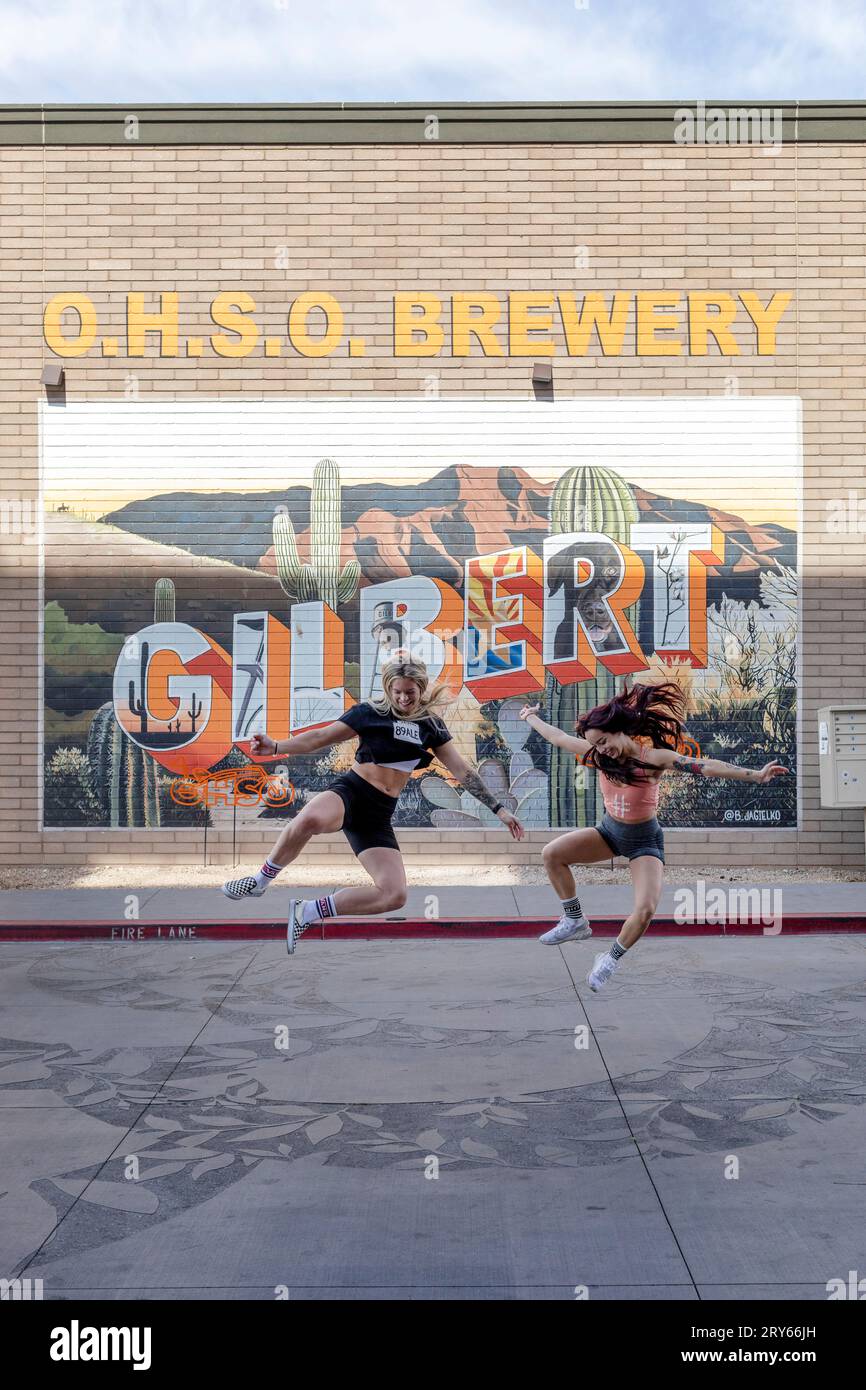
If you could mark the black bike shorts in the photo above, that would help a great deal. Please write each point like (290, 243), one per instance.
(367, 819)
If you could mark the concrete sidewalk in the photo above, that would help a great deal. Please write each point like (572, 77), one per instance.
(808, 905)
(434, 1120)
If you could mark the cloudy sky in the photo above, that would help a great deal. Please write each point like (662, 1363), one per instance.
(425, 50)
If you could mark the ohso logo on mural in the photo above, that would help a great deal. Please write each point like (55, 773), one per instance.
(236, 786)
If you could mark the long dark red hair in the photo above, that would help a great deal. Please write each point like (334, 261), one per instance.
(646, 711)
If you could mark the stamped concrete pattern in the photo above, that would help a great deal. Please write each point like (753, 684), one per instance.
(433, 1119)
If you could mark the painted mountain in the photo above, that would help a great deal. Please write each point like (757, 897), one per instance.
(429, 527)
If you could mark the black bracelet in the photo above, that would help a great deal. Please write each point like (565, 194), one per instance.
(497, 808)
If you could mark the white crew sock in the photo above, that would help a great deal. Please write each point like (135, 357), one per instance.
(267, 873)
(316, 909)
(571, 907)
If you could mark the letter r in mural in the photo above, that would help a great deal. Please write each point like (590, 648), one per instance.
(591, 582)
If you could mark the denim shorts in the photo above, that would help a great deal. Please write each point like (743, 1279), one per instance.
(632, 841)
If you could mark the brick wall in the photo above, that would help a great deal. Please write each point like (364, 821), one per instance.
(364, 222)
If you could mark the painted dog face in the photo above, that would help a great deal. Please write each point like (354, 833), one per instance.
(588, 598)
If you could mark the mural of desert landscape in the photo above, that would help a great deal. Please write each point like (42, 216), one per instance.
(213, 569)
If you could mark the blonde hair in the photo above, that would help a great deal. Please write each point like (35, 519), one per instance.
(402, 665)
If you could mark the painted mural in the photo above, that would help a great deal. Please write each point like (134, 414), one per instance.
(189, 604)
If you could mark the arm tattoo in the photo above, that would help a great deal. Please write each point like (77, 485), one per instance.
(475, 787)
(688, 765)
(712, 767)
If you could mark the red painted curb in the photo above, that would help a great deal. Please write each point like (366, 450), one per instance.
(395, 929)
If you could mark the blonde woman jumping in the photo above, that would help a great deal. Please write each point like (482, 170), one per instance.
(398, 733)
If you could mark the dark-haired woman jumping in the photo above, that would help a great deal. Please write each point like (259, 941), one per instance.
(631, 742)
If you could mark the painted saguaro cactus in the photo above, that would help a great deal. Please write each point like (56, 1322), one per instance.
(194, 711)
(124, 775)
(138, 705)
(163, 601)
(322, 578)
(585, 499)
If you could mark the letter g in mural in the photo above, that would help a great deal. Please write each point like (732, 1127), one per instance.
(173, 695)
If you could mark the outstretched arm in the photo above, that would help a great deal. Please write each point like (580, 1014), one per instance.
(669, 761)
(470, 779)
(552, 734)
(310, 741)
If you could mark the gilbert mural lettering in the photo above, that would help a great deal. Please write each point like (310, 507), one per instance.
(521, 618)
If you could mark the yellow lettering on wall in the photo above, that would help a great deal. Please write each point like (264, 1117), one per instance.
(139, 322)
(766, 319)
(465, 327)
(407, 323)
(51, 326)
(609, 323)
(702, 323)
(522, 322)
(418, 329)
(224, 312)
(650, 321)
(298, 315)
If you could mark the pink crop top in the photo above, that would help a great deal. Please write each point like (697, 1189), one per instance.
(630, 804)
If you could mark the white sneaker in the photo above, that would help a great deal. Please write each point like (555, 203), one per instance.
(602, 970)
(242, 888)
(296, 927)
(567, 929)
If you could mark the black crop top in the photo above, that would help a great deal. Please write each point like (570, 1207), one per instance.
(389, 741)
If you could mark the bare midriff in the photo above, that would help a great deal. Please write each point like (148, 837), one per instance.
(384, 779)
